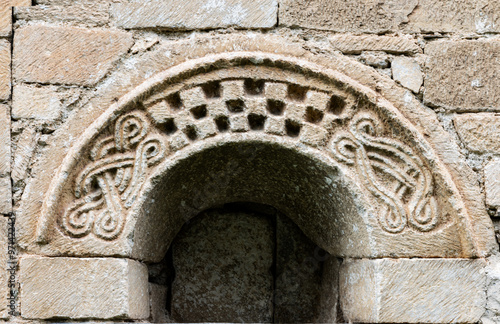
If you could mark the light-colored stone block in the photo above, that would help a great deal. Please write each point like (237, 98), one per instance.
(66, 55)
(195, 14)
(479, 132)
(4, 271)
(413, 290)
(370, 16)
(4, 69)
(6, 14)
(463, 75)
(43, 103)
(349, 44)
(25, 148)
(99, 288)
(5, 196)
(492, 314)
(407, 72)
(492, 183)
(4, 140)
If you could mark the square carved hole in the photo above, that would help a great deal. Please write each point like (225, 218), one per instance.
(292, 128)
(212, 89)
(199, 112)
(296, 92)
(313, 115)
(190, 132)
(256, 122)
(174, 101)
(254, 87)
(275, 107)
(235, 106)
(336, 105)
(168, 126)
(222, 123)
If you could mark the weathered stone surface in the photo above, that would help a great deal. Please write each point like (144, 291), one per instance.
(66, 55)
(492, 314)
(4, 140)
(479, 132)
(195, 14)
(83, 288)
(376, 59)
(4, 69)
(407, 72)
(492, 183)
(81, 12)
(4, 271)
(6, 14)
(413, 290)
(463, 75)
(158, 303)
(25, 147)
(223, 269)
(34, 102)
(346, 16)
(452, 16)
(5, 196)
(349, 44)
(305, 290)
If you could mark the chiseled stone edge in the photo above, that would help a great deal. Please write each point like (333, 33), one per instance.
(350, 44)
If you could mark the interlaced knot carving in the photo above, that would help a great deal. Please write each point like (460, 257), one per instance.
(109, 185)
(391, 172)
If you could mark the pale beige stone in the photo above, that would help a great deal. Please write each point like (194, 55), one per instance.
(479, 132)
(370, 16)
(81, 12)
(6, 14)
(5, 196)
(83, 288)
(413, 290)
(4, 69)
(492, 314)
(492, 183)
(66, 55)
(195, 14)
(25, 147)
(5, 145)
(407, 71)
(463, 75)
(349, 44)
(7, 269)
(42, 103)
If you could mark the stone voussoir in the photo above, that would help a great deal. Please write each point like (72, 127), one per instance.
(195, 14)
(66, 55)
(98, 288)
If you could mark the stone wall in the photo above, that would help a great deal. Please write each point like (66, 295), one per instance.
(64, 62)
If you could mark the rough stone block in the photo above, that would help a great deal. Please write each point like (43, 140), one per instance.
(222, 264)
(5, 196)
(85, 12)
(66, 55)
(4, 140)
(492, 183)
(349, 44)
(25, 147)
(370, 16)
(4, 69)
(158, 302)
(492, 314)
(195, 14)
(99, 288)
(463, 75)
(43, 103)
(479, 132)
(4, 271)
(6, 14)
(407, 72)
(413, 290)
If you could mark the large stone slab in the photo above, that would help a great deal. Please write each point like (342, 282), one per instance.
(223, 266)
(413, 290)
(6, 14)
(370, 16)
(195, 14)
(66, 55)
(4, 69)
(463, 75)
(99, 288)
(492, 183)
(479, 132)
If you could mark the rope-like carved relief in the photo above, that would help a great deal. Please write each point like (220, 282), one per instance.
(110, 184)
(391, 172)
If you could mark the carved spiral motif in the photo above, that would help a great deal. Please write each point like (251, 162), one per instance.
(109, 185)
(407, 198)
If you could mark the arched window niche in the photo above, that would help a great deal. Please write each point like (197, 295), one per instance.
(343, 166)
